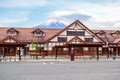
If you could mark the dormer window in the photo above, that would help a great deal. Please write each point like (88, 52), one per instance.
(12, 31)
(38, 32)
(101, 33)
(117, 33)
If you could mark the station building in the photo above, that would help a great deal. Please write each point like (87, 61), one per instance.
(76, 36)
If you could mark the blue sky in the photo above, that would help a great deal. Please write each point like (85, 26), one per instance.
(97, 14)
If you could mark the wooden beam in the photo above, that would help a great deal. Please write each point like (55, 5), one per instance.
(97, 53)
(56, 53)
(19, 54)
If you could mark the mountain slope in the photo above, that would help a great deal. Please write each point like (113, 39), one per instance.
(51, 25)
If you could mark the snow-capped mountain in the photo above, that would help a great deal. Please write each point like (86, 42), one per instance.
(52, 24)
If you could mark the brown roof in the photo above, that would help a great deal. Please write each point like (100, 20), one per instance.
(106, 31)
(117, 40)
(26, 35)
(108, 37)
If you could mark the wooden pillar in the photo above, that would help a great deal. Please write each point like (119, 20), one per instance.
(56, 53)
(93, 52)
(118, 51)
(105, 51)
(61, 51)
(102, 51)
(114, 51)
(69, 50)
(108, 53)
(89, 51)
(97, 50)
(82, 51)
(19, 54)
(4, 52)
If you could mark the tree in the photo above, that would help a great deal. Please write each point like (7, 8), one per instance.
(36, 48)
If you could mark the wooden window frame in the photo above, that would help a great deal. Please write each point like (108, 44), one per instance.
(88, 39)
(76, 33)
(62, 39)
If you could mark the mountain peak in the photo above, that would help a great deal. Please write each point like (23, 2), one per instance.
(51, 24)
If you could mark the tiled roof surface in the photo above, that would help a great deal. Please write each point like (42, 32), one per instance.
(26, 35)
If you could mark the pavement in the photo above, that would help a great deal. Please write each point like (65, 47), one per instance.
(64, 70)
(59, 59)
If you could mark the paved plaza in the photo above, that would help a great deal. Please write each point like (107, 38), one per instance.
(86, 70)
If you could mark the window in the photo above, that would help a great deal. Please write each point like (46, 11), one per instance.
(89, 39)
(117, 33)
(73, 33)
(62, 39)
(101, 34)
(38, 32)
(12, 32)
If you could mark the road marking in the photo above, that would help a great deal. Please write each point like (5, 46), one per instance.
(44, 63)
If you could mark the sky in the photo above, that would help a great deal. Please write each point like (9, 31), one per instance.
(95, 14)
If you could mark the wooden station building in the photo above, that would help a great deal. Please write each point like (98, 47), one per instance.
(76, 36)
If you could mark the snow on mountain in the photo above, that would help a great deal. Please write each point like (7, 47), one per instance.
(51, 24)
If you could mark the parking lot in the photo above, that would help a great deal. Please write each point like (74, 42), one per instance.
(60, 70)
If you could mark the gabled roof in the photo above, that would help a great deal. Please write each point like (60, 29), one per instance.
(77, 22)
(9, 38)
(101, 31)
(115, 32)
(10, 29)
(75, 38)
(25, 34)
(37, 30)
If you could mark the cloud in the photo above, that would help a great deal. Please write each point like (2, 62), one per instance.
(5, 20)
(8, 22)
(13, 18)
(95, 14)
(22, 3)
(68, 16)
(104, 15)
(81, 17)
(1, 25)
